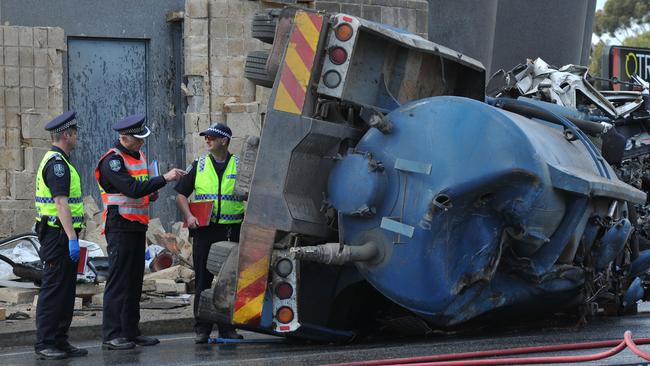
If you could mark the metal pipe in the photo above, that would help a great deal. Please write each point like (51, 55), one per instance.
(611, 212)
(336, 253)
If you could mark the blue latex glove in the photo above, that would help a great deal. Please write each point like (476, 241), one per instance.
(73, 247)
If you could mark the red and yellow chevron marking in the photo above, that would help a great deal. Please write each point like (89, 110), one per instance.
(298, 62)
(256, 244)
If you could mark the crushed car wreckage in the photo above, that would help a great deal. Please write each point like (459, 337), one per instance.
(617, 122)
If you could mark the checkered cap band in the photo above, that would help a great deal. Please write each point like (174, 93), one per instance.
(134, 131)
(224, 134)
(64, 126)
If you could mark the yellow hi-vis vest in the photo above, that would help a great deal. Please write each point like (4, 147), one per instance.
(45, 202)
(228, 208)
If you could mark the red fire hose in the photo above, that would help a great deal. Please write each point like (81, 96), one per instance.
(458, 359)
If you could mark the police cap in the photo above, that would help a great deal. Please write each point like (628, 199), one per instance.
(133, 125)
(217, 130)
(62, 122)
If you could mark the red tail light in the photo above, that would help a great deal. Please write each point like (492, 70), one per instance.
(283, 291)
(338, 55)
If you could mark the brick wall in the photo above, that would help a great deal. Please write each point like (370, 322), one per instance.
(217, 38)
(31, 74)
(410, 15)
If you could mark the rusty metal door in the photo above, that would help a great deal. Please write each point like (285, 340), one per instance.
(107, 81)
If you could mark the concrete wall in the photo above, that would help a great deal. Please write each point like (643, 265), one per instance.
(31, 73)
(504, 33)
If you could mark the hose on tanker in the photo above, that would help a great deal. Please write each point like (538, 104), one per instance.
(468, 358)
(533, 111)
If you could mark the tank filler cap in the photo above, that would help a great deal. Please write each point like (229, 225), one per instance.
(356, 185)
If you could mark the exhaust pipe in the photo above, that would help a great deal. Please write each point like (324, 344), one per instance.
(336, 253)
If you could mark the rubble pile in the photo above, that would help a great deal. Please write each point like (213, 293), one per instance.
(169, 276)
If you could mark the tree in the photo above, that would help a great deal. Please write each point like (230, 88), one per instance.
(622, 17)
(596, 54)
(641, 40)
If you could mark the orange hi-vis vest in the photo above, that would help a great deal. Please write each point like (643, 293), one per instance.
(132, 209)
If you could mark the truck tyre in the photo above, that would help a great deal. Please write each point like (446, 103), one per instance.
(264, 24)
(255, 69)
(218, 254)
(206, 310)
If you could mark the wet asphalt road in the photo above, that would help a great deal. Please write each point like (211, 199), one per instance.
(180, 350)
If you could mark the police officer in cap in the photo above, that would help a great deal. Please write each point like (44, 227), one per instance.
(59, 218)
(126, 190)
(212, 179)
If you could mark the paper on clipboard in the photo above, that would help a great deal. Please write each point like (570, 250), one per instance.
(202, 211)
(154, 171)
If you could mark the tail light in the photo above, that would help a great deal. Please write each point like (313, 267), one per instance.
(344, 32)
(283, 291)
(284, 315)
(283, 267)
(332, 79)
(338, 55)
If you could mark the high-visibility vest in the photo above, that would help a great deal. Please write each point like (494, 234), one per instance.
(44, 201)
(132, 209)
(228, 208)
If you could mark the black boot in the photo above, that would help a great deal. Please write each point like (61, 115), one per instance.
(72, 351)
(119, 344)
(51, 353)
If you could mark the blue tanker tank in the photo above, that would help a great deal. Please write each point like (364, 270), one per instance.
(469, 208)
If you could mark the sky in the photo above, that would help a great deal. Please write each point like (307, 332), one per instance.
(600, 4)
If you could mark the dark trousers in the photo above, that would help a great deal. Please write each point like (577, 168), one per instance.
(202, 241)
(56, 298)
(124, 284)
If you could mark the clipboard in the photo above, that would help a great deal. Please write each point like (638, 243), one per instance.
(202, 211)
(154, 171)
(83, 258)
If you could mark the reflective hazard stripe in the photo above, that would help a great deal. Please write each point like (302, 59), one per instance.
(133, 210)
(227, 217)
(52, 219)
(212, 197)
(298, 62)
(119, 199)
(51, 200)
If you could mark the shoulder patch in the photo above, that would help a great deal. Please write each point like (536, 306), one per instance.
(115, 165)
(59, 170)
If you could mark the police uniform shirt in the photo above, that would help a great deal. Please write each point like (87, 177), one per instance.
(185, 185)
(56, 175)
(115, 178)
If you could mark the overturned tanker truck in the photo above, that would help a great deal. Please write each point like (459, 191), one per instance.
(386, 193)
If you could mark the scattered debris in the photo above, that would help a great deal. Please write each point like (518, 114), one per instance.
(170, 287)
(169, 253)
(17, 295)
(19, 315)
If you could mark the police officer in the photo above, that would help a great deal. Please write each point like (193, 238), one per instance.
(212, 178)
(59, 218)
(126, 190)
